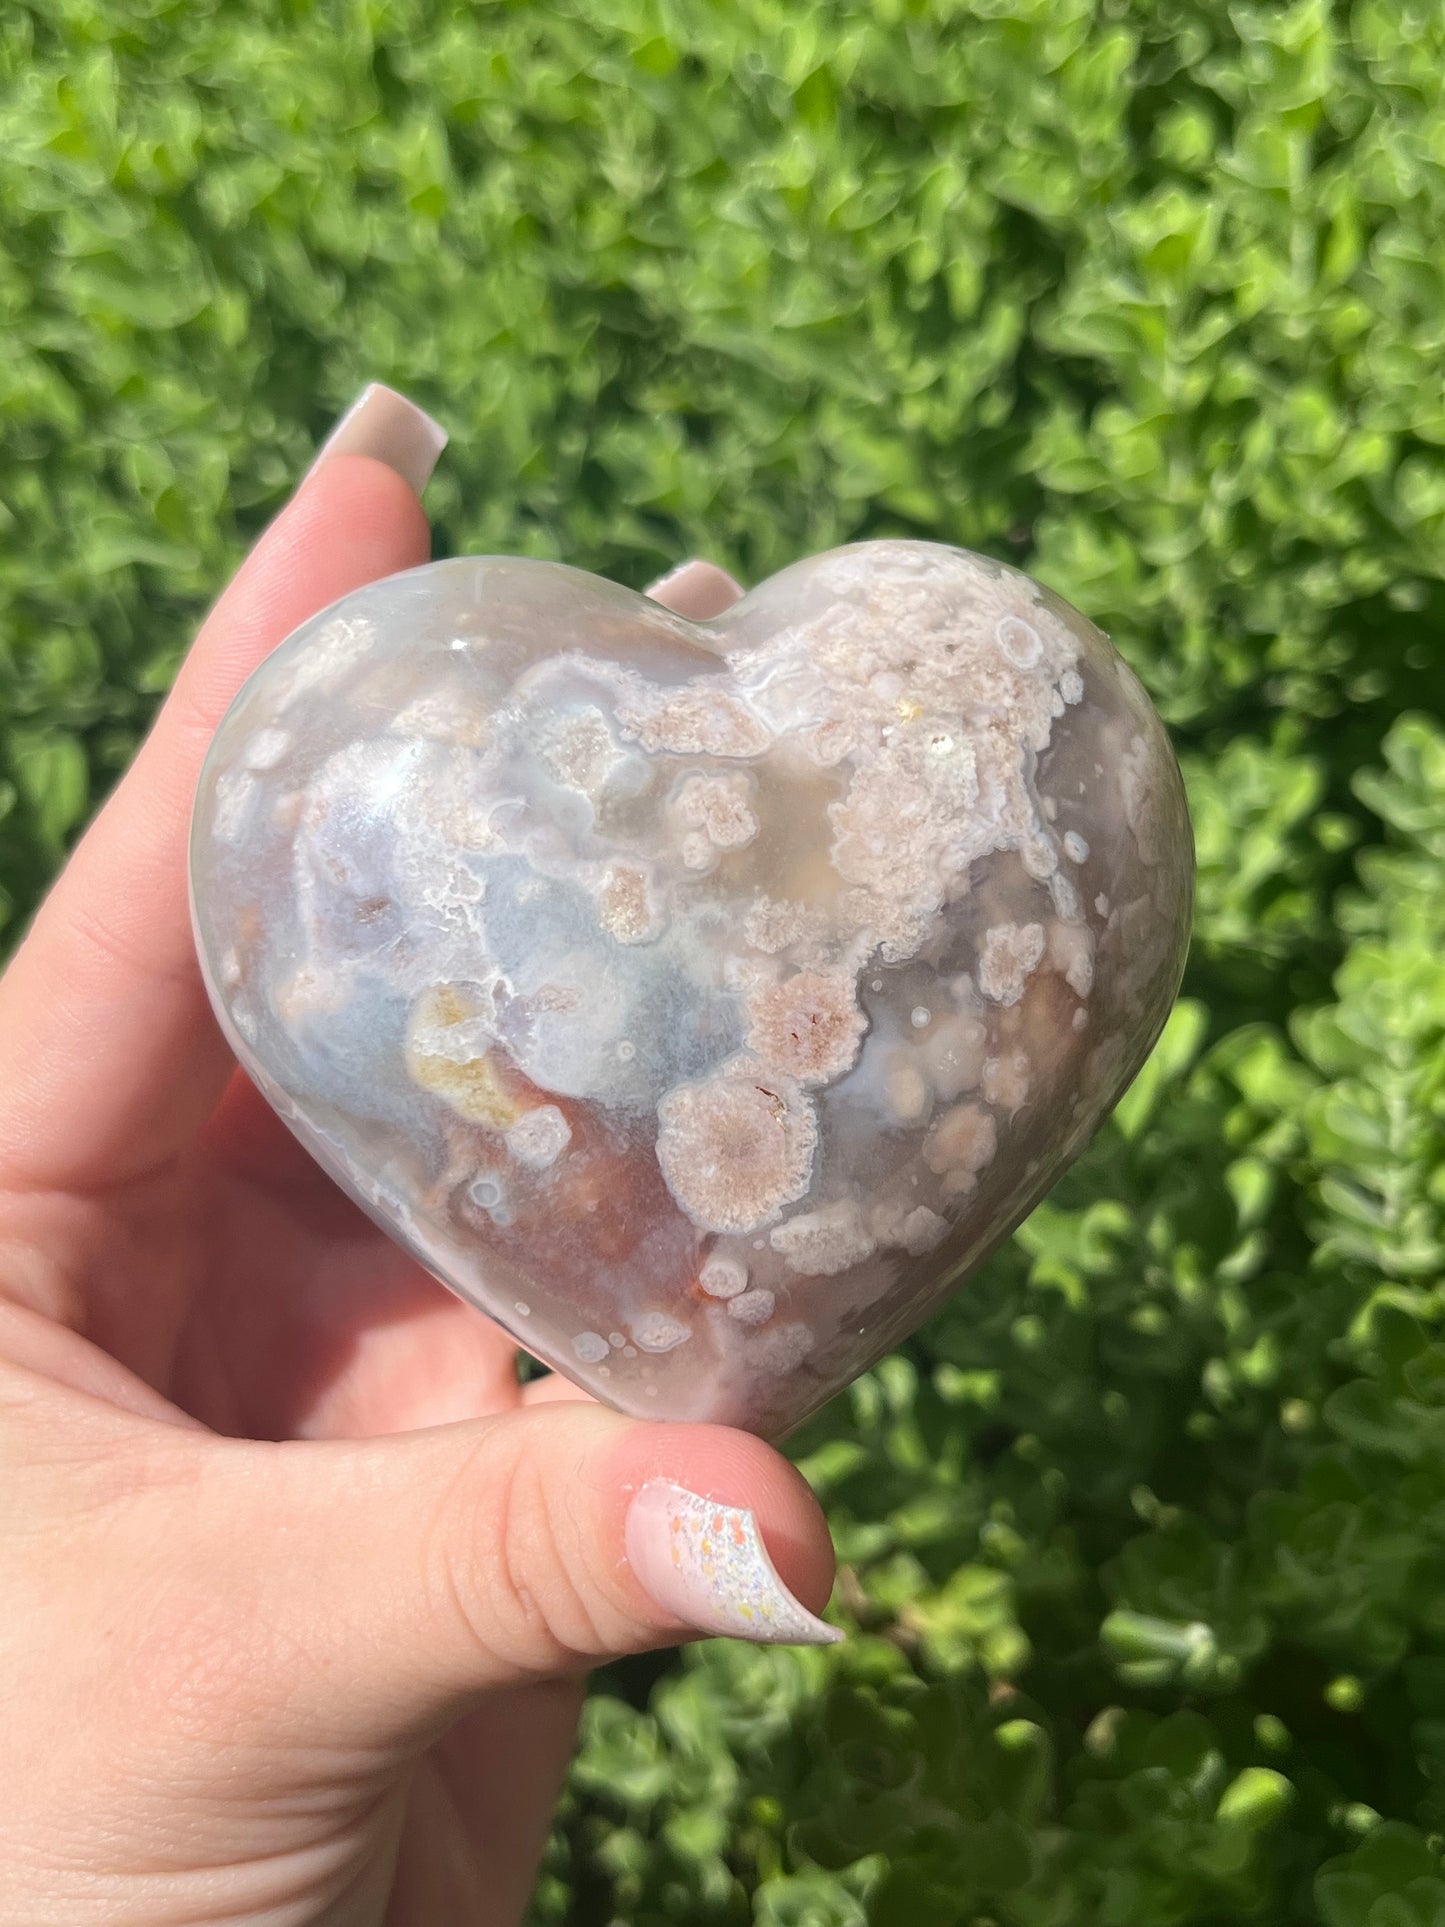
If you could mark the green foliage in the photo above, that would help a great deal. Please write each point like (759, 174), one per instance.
(1143, 1539)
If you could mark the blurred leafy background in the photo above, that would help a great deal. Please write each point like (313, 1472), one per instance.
(1143, 1540)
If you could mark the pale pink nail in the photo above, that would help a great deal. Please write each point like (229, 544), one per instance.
(706, 1564)
(696, 589)
(385, 425)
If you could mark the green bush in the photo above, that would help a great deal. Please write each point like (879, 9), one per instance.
(1143, 1539)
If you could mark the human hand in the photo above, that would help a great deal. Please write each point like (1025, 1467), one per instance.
(297, 1584)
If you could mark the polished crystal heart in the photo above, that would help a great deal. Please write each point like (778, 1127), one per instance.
(704, 1001)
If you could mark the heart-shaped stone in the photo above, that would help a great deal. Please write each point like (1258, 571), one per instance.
(702, 1000)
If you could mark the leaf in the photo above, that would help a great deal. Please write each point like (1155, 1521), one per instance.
(52, 776)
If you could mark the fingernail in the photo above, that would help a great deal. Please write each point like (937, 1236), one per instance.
(696, 589)
(706, 1564)
(385, 425)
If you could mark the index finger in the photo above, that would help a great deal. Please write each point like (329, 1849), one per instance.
(112, 1058)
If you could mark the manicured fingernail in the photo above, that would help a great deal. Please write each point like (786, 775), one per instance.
(385, 425)
(706, 1564)
(696, 589)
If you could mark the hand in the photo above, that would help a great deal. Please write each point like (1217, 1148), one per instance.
(297, 1585)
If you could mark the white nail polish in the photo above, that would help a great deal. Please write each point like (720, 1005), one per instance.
(706, 1564)
(696, 589)
(385, 425)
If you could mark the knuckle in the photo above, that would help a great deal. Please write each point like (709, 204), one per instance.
(511, 1569)
(114, 946)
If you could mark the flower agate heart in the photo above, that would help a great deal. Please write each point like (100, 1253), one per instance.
(702, 1000)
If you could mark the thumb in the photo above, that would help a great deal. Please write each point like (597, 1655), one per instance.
(395, 1579)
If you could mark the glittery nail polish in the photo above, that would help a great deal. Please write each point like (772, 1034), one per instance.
(706, 1563)
(385, 425)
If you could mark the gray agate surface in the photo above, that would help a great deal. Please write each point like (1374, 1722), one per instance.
(704, 1001)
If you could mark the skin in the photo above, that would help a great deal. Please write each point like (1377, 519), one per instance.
(297, 1585)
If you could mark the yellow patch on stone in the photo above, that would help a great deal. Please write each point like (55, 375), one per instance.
(475, 1087)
